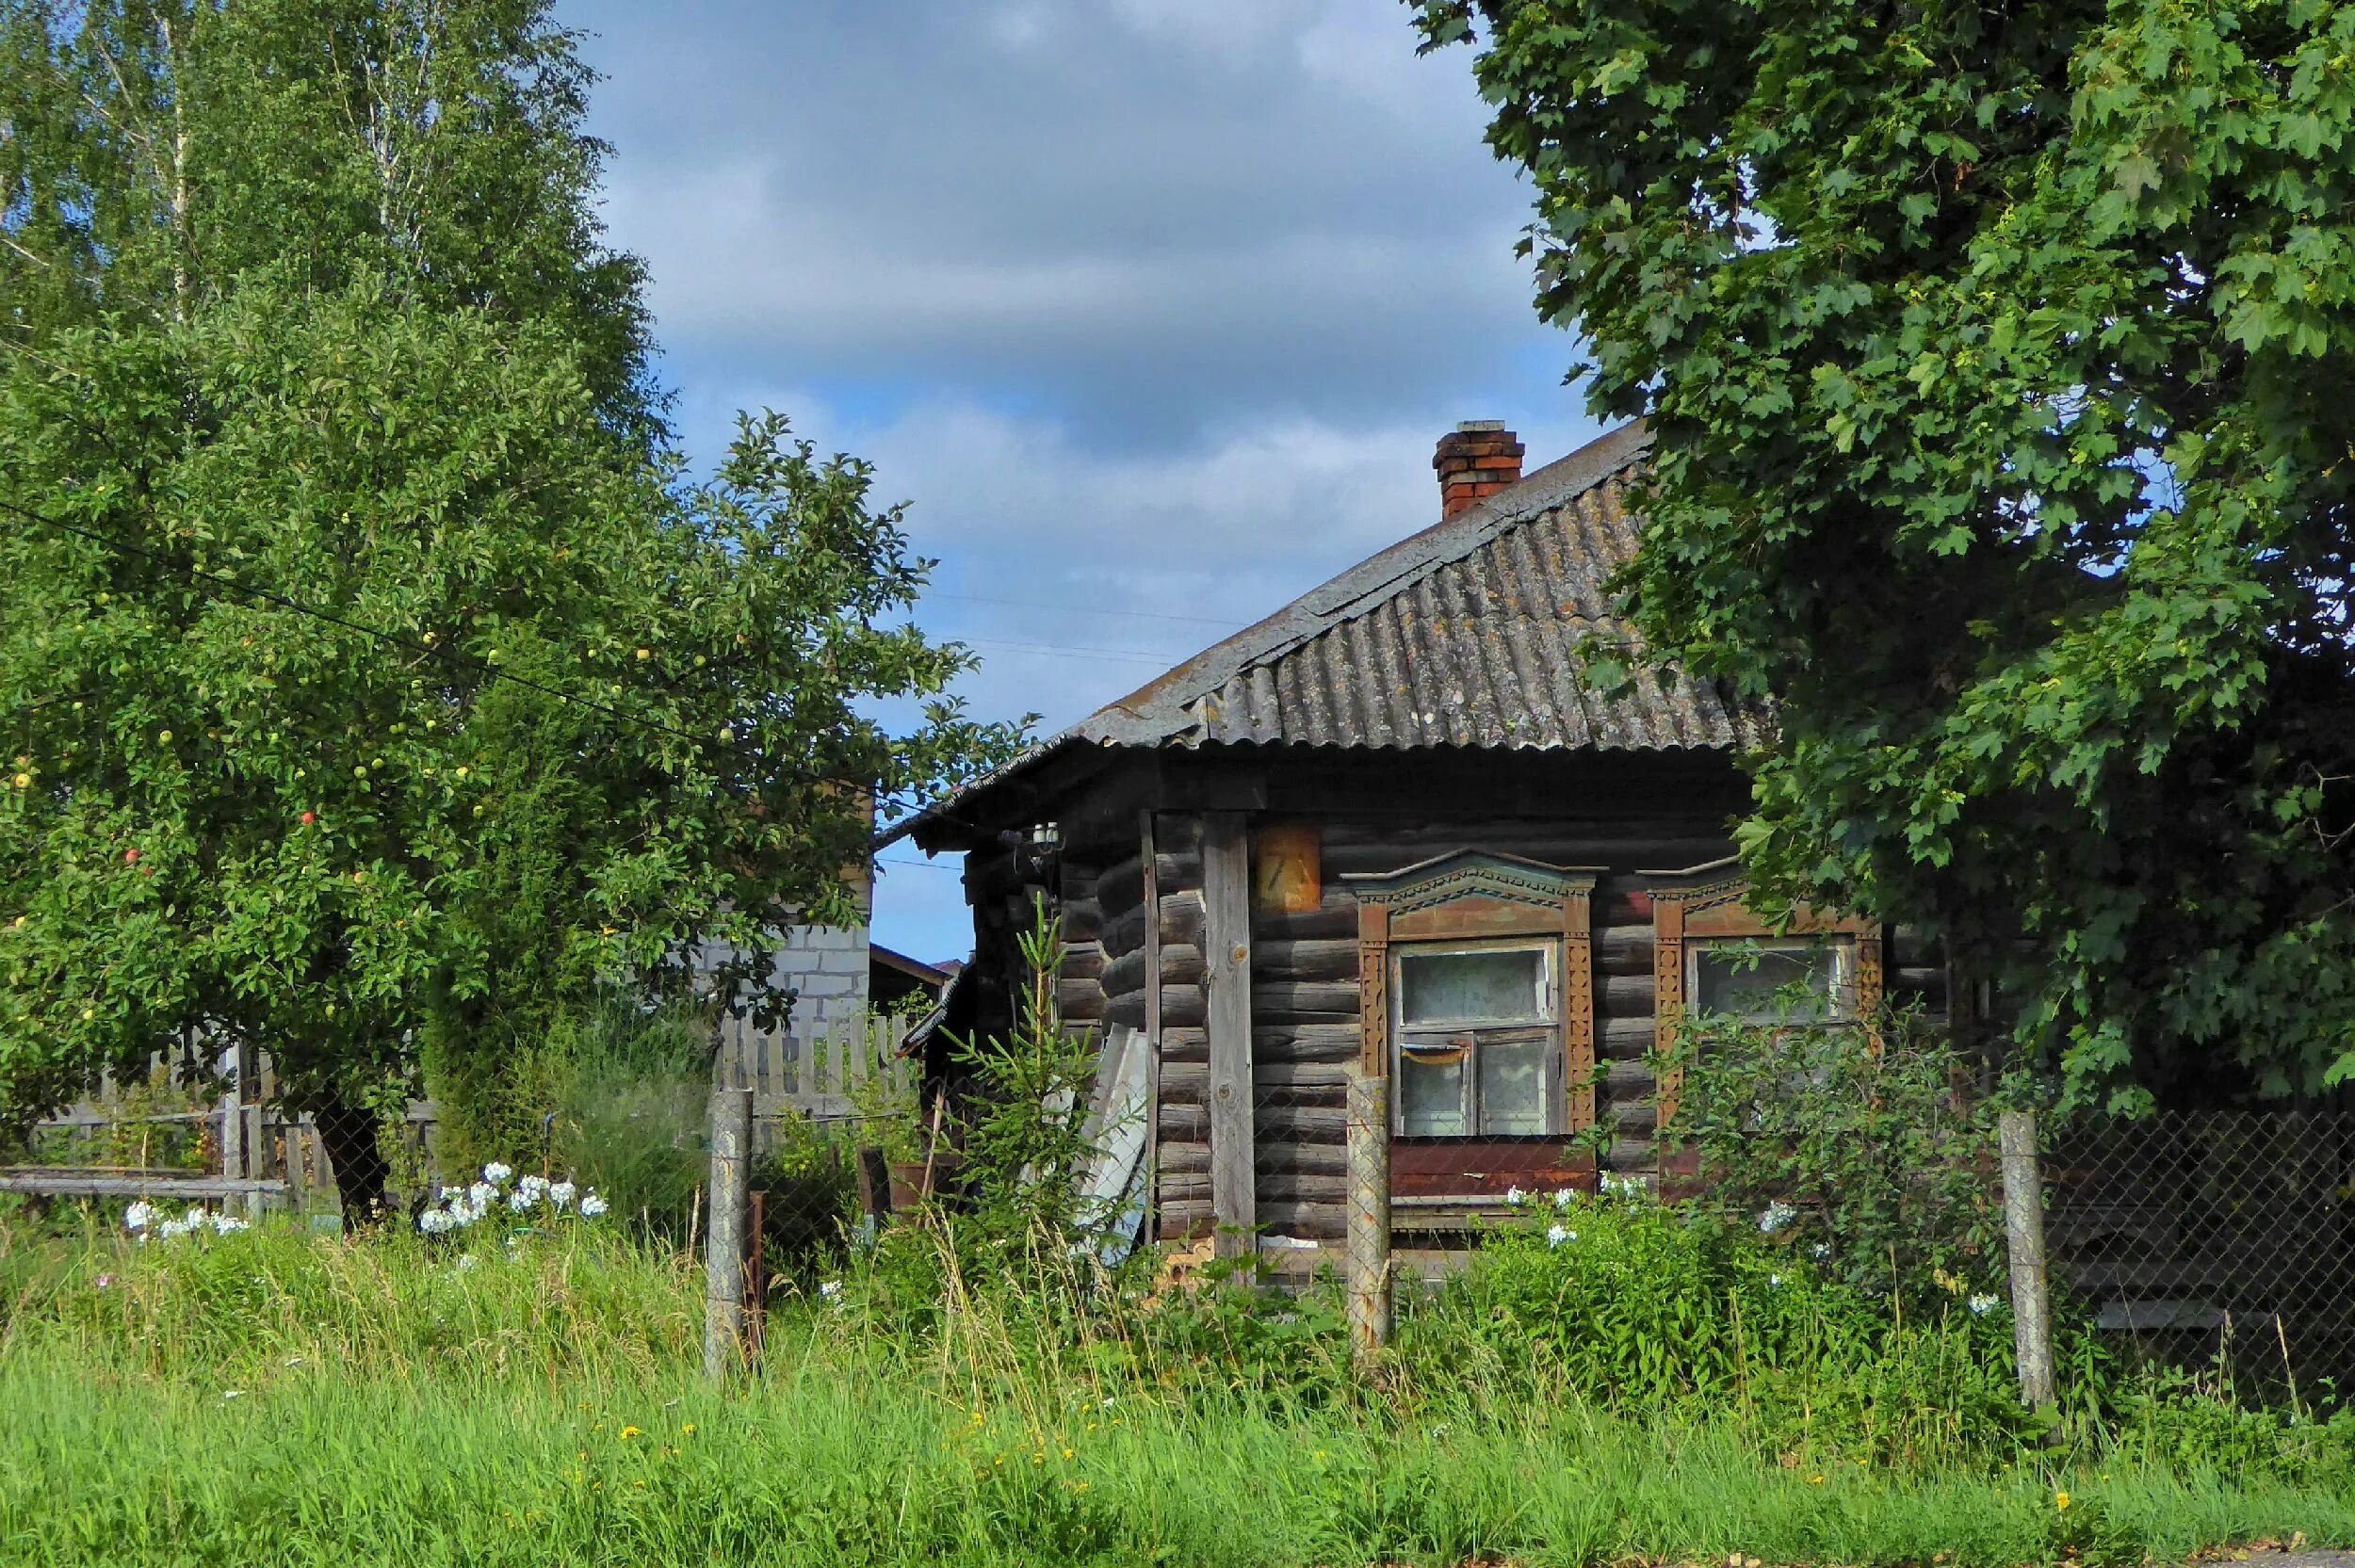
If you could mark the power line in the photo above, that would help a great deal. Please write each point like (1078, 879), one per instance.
(1127, 614)
(1134, 655)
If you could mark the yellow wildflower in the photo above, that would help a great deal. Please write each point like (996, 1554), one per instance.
(629, 1432)
(2060, 1500)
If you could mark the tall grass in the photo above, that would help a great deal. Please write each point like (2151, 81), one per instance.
(280, 1397)
(813, 1465)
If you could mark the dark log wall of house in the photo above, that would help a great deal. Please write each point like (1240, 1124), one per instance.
(1305, 1029)
(1305, 1025)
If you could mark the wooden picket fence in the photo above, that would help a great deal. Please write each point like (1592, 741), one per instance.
(258, 1152)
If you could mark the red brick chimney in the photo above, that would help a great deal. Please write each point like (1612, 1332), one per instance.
(1476, 459)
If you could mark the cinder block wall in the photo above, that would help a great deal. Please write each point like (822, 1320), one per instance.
(827, 966)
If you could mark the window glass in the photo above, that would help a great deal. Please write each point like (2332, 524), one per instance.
(1515, 1084)
(1748, 980)
(1492, 983)
(1431, 1085)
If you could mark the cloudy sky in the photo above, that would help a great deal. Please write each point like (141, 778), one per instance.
(1151, 309)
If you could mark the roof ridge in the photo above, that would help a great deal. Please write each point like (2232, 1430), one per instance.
(1359, 588)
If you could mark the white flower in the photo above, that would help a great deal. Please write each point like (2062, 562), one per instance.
(1556, 1236)
(437, 1222)
(592, 1205)
(138, 1216)
(480, 1196)
(444, 1195)
(1821, 1250)
(561, 1194)
(1514, 1196)
(467, 1261)
(497, 1173)
(1564, 1197)
(224, 1224)
(532, 1188)
(831, 1290)
(520, 1201)
(1981, 1305)
(1778, 1214)
(233, 1392)
(1774, 1282)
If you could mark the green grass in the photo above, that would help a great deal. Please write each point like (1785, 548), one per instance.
(281, 1399)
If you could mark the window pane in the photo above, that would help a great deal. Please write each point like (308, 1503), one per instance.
(1747, 980)
(1506, 983)
(1431, 1093)
(1514, 1088)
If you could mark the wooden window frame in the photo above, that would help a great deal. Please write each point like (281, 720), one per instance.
(1718, 912)
(1551, 1018)
(1472, 895)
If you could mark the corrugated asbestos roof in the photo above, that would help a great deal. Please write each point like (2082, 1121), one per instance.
(1466, 634)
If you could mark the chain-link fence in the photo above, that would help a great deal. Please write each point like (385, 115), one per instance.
(2217, 1239)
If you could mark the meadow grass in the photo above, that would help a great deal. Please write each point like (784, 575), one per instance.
(278, 1397)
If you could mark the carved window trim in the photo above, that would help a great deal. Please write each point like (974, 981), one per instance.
(1471, 896)
(1717, 912)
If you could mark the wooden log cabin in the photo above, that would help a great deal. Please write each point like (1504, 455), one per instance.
(1394, 828)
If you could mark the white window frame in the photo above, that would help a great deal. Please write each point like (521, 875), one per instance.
(1843, 1008)
(1550, 1019)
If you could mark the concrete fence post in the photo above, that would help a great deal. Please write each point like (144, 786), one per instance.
(724, 1245)
(2024, 1237)
(1369, 1246)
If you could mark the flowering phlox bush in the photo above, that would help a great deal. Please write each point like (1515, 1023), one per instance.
(143, 1220)
(458, 1209)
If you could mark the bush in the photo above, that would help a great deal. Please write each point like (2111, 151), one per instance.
(1865, 1136)
(1625, 1305)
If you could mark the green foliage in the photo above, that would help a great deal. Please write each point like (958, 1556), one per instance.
(378, 683)
(631, 1091)
(1624, 1305)
(1866, 1139)
(1995, 361)
(1026, 1141)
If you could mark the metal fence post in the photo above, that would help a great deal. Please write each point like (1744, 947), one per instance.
(724, 1245)
(1369, 1256)
(2024, 1236)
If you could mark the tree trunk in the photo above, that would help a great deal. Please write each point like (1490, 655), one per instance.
(349, 1135)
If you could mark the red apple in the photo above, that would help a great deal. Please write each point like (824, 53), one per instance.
(309, 817)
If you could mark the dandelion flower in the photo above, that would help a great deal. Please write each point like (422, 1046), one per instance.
(688, 1431)
(1815, 1480)
(2060, 1500)
(629, 1432)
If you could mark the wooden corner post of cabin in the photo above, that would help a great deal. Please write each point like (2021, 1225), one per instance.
(2023, 1237)
(724, 1246)
(1227, 957)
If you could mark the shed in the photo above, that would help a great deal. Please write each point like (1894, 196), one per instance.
(1393, 829)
